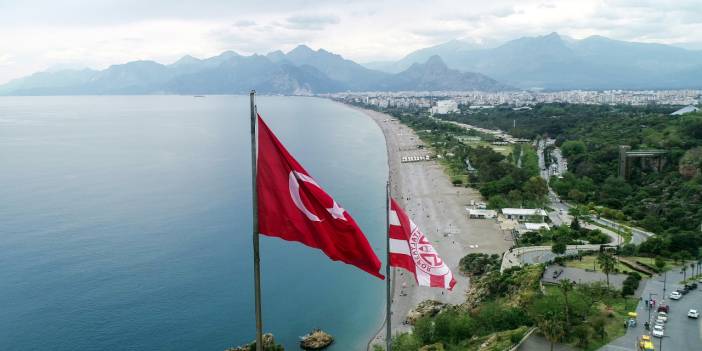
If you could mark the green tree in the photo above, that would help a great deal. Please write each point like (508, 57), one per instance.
(566, 286)
(607, 263)
(599, 326)
(660, 263)
(424, 330)
(559, 247)
(535, 188)
(573, 147)
(552, 329)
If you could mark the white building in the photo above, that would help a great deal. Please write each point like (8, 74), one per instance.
(523, 214)
(444, 107)
(477, 213)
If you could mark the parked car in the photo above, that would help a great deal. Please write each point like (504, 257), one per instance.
(663, 308)
(645, 343)
(663, 316)
(691, 286)
(675, 295)
(658, 331)
(693, 314)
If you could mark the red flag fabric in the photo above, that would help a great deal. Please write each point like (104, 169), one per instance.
(410, 249)
(293, 207)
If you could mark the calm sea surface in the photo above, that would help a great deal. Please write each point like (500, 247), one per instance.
(125, 223)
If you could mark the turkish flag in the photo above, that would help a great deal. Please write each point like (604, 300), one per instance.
(293, 207)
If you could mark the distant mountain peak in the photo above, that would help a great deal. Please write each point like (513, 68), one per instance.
(436, 61)
(301, 49)
(186, 60)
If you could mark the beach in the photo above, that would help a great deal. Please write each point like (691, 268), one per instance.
(438, 208)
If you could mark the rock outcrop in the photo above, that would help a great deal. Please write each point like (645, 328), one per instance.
(316, 340)
(268, 345)
(424, 309)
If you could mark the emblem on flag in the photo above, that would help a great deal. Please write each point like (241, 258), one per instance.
(410, 250)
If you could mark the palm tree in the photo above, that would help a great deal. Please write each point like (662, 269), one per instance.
(566, 285)
(607, 263)
(552, 328)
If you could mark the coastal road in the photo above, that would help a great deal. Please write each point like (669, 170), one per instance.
(681, 333)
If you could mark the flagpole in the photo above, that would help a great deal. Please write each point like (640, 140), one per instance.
(388, 329)
(256, 257)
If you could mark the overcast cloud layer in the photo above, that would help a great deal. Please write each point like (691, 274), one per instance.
(40, 34)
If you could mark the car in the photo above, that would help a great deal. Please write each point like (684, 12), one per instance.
(658, 331)
(659, 321)
(683, 291)
(663, 308)
(691, 286)
(645, 343)
(675, 295)
(693, 314)
(663, 316)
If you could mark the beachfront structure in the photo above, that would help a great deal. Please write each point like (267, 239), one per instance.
(524, 214)
(444, 107)
(476, 213)
(531, 227)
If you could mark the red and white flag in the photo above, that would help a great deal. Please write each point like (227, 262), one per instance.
(410, 249)
(293, 207)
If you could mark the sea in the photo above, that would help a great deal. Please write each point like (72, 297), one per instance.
(125, 223)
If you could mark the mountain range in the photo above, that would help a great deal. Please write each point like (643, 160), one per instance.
(551, 62)
(300, 71)
(558, 62)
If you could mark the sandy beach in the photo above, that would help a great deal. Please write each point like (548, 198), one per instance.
(438, 208)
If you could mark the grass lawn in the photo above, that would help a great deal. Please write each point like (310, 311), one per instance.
(617, 310)
(588, 261)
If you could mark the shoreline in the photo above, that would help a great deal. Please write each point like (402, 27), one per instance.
(424, 190)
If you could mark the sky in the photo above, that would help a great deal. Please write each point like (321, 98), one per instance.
(37, 35)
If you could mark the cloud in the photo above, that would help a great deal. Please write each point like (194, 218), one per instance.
(37, 34)
(244, 23)
(310, 22)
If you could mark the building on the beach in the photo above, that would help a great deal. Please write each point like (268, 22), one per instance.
(523, 228)
(524, 214)
(476, 213)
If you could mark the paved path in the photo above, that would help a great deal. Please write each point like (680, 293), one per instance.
(538, 254)
(581, 276)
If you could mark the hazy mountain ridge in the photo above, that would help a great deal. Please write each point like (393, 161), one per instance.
(558, 62)
(300, 71)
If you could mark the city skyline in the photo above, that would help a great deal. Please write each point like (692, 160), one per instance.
(71, 34)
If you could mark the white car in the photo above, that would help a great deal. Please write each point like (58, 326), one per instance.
(657, 331)
(675, 295)
(662, 316)
(693, 314)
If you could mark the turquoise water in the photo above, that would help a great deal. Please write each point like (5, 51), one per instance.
(125, 223)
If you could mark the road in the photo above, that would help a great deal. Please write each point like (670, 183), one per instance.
(560, 215)
(681, 333)
(637, 235)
